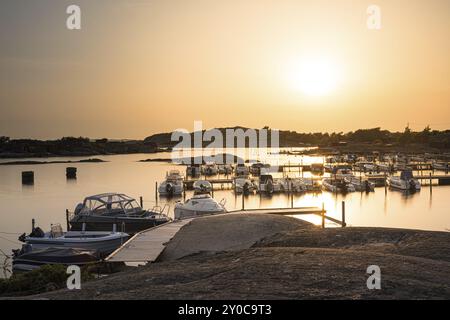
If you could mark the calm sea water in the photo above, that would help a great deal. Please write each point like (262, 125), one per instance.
(52, 194)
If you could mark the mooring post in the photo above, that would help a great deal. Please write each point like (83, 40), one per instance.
(33, 222)
(71, 173)
(431, 184)
(343, 215)
(292, 197)
(67, 220)
(243, 201)
(28, 177)
(385, 183)
(156, 192)
(141, 201)
(323, 215)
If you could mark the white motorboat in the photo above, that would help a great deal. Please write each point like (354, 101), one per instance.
(342, 173)
(244, 185)
(199, 205)
(242, 170)
(298, 185)
(440, 166)
(384, 167)
(270, 185)
(361, 184)
(225, 169)
(202, 186)
(405, 181)
(366, 166)
(337, 185)
(101, 241)
(173, 185)
(194, 170)
(259, 168)
(210, 169)
(311, 184)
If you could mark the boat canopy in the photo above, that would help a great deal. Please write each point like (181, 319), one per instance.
(406, 175)
(110, 204)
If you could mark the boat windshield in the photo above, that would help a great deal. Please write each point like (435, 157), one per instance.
(110, 204)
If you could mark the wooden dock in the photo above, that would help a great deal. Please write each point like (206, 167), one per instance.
(294, 211)
(146, 246)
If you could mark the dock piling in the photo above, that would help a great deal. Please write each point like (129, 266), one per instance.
(323, 215)
(385, 183)
(156, 193)
(71, 173)
(28, 177)
(431, 183)
(67, 220)
(343, 215)
(141, 201)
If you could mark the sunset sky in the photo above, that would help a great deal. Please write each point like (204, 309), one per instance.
(139, 67)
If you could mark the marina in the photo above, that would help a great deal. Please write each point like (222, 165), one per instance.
(290, 189)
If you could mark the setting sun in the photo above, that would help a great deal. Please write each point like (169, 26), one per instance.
(314, 76)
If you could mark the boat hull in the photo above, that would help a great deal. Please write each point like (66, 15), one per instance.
(403, 186)
(38, 258)
(183, 213)
(130, 225)
(104, 246)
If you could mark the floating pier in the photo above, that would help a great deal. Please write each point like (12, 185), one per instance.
(146, 246)
(299, 211)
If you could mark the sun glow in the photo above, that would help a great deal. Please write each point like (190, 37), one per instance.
(315, 76)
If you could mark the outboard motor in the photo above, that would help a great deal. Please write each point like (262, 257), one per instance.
(412, 185)
(269, 186)
(343, 186)
(367, 186)
(246, 188)
(169, 189)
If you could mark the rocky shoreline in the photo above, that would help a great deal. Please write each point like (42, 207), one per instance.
(255, 256)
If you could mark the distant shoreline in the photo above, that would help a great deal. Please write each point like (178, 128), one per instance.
(31, 162)
(360, 142)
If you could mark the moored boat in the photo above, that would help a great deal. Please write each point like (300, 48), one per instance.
(337, 185)
(405, 181)
(361, 184)
(244, 185)
(440, 166)
(202, 186)
(28, 259)
(101, 212)
(173, 185)
(210, 169)
(199, 205)
(102, 242)
(242, 170)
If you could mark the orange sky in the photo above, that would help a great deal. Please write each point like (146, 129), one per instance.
(140, 67)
